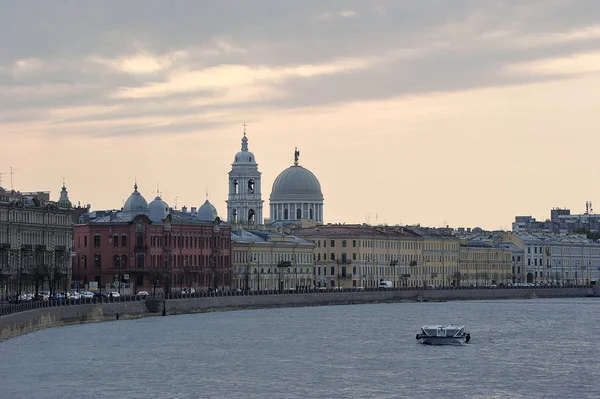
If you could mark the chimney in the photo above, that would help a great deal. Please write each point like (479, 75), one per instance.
(184, 209)
(193, 209)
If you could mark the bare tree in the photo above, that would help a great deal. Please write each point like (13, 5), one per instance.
(38, 277)
(158, 275)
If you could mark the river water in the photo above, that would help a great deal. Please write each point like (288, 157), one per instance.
(540, 348)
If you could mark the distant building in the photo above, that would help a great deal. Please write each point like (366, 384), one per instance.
(267, 260)
(151, 245)
(35, 242)
(296, 195)
(484, 264)
(554, 258)
(561, 221)
(244, 203)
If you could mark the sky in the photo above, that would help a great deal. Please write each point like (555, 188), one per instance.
(460, 113)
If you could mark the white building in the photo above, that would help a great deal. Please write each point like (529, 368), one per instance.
(564, 259)
(245, 204)
(296, 195)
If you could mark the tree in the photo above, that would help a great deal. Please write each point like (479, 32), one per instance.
(158, 275)
(38, 277)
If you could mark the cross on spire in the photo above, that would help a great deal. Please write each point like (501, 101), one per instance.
(244, 125)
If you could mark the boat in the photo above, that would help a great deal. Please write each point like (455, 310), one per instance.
(443, 335)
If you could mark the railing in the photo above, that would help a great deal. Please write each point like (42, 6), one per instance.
(10, 308)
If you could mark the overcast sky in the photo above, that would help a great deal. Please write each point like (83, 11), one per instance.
(462, 112)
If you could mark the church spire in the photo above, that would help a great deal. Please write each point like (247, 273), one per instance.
(244, 139)
(64, 195)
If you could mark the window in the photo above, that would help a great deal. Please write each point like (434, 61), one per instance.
(85, 241)
(97, 241)
(332, 243)
(251, 186)
(343, 243)
(353, 243)
(332, 256)
(311, 216)
(124, 261)
(354, 256)
(140, 239)
(140, 261)
(332, 270)
(319, 243)
(298, 214)
(115, 240)
(285, 214)
(97, 261)
(116, 262)
(123, 240)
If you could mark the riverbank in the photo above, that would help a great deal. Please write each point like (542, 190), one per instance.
(15, 324)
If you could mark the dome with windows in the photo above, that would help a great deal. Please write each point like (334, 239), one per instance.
(296, 195)
(159, 209)
(135, 202)
(296, 183)
(207, 212)
(244, 157)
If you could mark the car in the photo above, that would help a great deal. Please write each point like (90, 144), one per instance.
(74, 295)
(114, 294)
(86, 295)
(143, 294)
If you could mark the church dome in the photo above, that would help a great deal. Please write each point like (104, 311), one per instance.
(207, 212)
(159, 210)
(244, 157)
(296, 183)
(135, 202)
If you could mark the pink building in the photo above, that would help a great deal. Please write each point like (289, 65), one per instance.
(147, 245)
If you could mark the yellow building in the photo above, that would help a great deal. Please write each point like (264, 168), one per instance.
(484, 265)
(265, 260)
(355, 256)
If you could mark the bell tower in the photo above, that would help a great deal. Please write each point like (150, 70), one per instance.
(244, 203)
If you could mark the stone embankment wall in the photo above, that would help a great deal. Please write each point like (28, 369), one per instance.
(193, 305)
(15, 324)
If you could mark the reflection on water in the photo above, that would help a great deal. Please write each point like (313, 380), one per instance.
(519, 349)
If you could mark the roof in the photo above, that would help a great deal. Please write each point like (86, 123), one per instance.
(243, 236)
(341, 230)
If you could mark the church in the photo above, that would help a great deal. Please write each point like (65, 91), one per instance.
(295, 196)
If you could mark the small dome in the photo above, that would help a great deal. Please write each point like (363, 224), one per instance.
(135, 202)
(207, 212)
(159, 210)
(296, 183)
(244, 156)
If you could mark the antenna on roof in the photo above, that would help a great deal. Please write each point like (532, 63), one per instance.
(176, 198)
(1, 174)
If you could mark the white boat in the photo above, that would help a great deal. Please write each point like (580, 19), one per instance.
(443, 335)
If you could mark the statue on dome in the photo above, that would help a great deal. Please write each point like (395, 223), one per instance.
(296, 156)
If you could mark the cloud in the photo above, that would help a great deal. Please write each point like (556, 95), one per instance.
(169, 64)
(575, 64)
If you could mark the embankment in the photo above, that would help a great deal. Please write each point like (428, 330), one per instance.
(15, 324)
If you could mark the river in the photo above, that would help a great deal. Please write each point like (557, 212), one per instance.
(539, 348)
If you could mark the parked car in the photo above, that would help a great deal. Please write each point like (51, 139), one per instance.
(86, 294)
(114, 294)
(143, 294)
(74, 295)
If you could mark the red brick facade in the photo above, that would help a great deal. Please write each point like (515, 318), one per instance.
(180, 253)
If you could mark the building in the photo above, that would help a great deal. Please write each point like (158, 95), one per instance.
(269, 260)
(561, 221)
(147, 246)
(557, 259)
(296, 195)
(355, 256)
(35, 242)
(244, 203)
(483, 264)
(440, 251)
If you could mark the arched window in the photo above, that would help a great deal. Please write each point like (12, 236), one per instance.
(116, 262)
(251, 186)
(124, 240)
(234, 215)
(311, 214)
(235, 186)
(298, 214)
(285, 214)
(115, 240)
(124, 261)
(251, 216)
